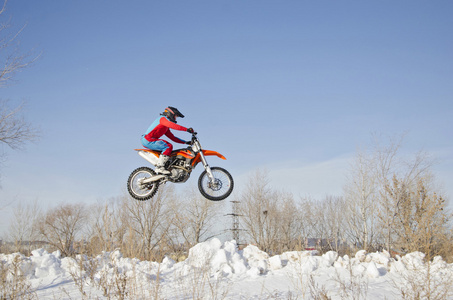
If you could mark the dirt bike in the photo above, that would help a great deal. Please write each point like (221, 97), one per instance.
(214, 183)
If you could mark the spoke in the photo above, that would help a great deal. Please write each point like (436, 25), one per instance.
(220, 184)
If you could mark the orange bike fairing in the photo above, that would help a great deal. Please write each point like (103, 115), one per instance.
(210, 152)
(197, 159)
(185, 153)
(156, 153)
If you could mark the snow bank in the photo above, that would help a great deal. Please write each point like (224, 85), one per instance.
(226, 260)
(218, 260)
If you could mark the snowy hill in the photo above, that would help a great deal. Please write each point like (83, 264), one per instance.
(216, 270)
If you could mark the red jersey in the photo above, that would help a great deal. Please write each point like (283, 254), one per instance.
(162, 126)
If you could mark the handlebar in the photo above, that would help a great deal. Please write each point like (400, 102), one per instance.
(194, 137)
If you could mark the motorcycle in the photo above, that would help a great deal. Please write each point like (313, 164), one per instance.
(214, 183)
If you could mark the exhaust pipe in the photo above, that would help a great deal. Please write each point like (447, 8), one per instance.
(152, 159)
(154, 178)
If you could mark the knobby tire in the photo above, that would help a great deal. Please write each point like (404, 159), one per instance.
(133, 187)
(226, 184)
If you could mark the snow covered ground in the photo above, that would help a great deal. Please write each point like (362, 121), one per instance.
(216, 270)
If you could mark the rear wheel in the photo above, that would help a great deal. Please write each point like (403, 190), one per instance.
(218, 189)
(139, 190)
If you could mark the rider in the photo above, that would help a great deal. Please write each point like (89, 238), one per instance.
(151, 139)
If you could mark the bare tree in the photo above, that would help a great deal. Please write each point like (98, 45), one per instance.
(22, 229)
(290, 224)
(371, 205)
(390, 166)
(327, 222)
(379, 185)
(106, 227)
(322, 222)
(13, 60)
(334, 221)
(195, 218)
(14, 130)
(422, 222)
(149, 222)
(360, 194)
(308, 218)
(259, 211)
(61, 226)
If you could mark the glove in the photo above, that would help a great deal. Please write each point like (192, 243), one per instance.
(189, 143)
(190, 130)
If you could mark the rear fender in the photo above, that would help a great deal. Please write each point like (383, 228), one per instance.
(197, 158)
(150, 155)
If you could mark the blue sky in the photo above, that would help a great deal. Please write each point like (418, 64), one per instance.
(290, 86)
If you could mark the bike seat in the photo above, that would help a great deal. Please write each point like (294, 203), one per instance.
(157, 153)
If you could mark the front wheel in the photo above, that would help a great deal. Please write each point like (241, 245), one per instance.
(139, 190)
(220, 188)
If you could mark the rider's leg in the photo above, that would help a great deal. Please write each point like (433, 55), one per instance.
(165, 147)
(160, 166)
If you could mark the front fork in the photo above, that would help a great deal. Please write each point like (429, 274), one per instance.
(197, 147)
(207, 167)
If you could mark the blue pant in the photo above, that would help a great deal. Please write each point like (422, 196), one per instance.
(158, 145)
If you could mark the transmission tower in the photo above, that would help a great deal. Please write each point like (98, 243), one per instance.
(235, 216)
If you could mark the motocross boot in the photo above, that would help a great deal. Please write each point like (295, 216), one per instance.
(160, 166)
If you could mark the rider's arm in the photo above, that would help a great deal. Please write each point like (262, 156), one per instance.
(174, 138)
(165, 122)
